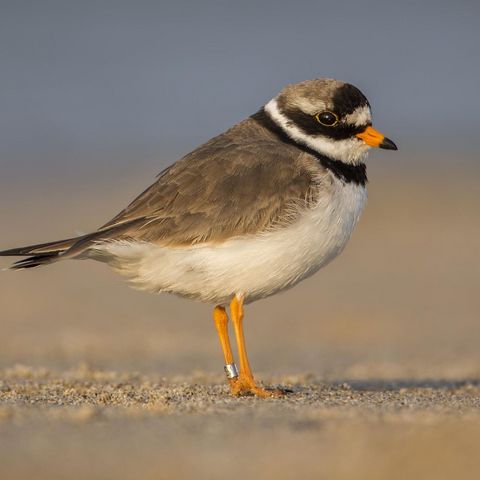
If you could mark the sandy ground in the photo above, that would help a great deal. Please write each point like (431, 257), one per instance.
(95, 424)
(380, 349)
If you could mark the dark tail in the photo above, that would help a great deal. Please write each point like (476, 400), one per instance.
(41, 254)
(46, 253)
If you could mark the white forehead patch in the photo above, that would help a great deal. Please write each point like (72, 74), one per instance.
(360, 116)
(349, 150)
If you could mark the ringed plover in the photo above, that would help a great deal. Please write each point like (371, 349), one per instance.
(246, 215)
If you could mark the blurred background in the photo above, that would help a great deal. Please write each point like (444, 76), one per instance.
(97, 97)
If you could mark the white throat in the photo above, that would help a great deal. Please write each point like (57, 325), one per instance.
(349, 150)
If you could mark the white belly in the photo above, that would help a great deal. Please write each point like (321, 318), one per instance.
(257, 266)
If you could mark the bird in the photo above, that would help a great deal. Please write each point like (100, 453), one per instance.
(248, 214)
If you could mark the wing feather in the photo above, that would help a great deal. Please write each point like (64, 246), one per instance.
(238, 183)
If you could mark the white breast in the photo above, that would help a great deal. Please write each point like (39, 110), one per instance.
(257, 266)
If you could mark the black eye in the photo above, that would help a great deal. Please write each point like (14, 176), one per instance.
(329, 119)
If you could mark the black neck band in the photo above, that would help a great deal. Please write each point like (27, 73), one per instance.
(347, 173)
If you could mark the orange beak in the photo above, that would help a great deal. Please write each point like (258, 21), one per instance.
(376, 139)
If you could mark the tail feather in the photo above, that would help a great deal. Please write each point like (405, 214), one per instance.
(41, 248)
(40, 254)
(35, 261)
(45, 253)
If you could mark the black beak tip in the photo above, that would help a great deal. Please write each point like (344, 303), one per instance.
(387, 144)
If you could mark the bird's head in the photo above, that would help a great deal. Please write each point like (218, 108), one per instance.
(331, 117)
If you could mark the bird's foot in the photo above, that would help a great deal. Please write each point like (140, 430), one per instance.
(245, 385)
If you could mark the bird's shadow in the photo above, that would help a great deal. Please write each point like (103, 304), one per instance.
(385, 385)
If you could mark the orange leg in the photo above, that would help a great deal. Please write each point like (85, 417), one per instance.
(221, 324)
(245, 383)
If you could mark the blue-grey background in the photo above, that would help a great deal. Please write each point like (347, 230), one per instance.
(143, 82)
(96, 97)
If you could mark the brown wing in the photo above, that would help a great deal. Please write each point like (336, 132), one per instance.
(232, 185)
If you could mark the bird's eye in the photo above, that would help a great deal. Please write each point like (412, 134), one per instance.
(329, 119)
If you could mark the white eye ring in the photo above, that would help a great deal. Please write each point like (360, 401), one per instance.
(326, 121)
